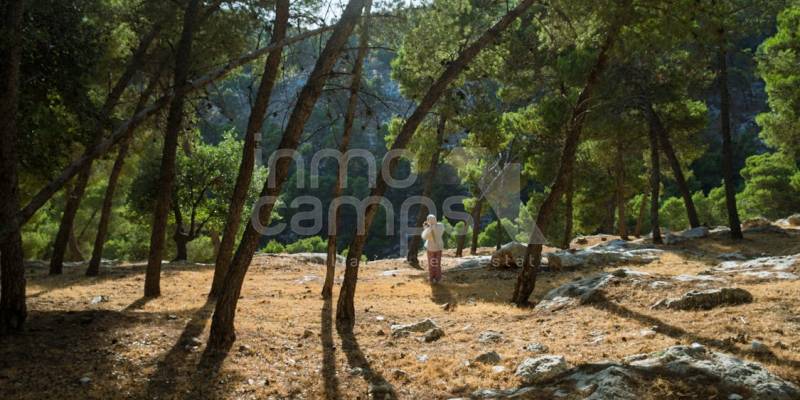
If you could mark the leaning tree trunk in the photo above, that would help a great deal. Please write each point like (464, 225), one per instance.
(12, 269)
(90, 154)
(345, 308)
(675, 165)
(247, 165)
(427, 190)
(727, 146)
(640, 217)
(476, 225)
(65, 228)
(620, 195)
(341, 173)
(113, 180)
(526, 280)
(75, 196)
(568, 212)
(152, 281)
(222, 330)
(655, 183)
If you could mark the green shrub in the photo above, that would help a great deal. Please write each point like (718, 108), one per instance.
(273, 247)
(201, 250)
(488, 237)
(313, 244)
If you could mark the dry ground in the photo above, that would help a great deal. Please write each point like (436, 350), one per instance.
(132, 348)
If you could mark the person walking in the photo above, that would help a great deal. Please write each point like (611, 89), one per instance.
(434, 244)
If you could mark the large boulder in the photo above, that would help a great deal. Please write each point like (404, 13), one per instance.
(541, 369)
(793, 220)
(780, 267)
(688, 234)
(583, 289)
(757, 222)
(707, 375)
(315, 258)
(707, 299)
(511, 255)
(612, 252)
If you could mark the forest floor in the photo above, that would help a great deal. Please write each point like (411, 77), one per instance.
(80, 345)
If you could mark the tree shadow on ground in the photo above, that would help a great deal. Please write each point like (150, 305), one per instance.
(331, 382)
(59, 348)
(74, 275)
(179, 361)
(380, 388)
(600, 302)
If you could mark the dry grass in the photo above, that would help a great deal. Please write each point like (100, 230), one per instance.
(132, 348)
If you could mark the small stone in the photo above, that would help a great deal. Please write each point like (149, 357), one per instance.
(421, 326)
(498, 369)
(490, 337)
(399, 374)
(433, 335)
(759, 348)
(540, 369)
(380, 332)
(194, 342)
(245, 350)
(307, 334)
(380, 390)
(448, 307)
(98, 299)
(423, 358)
(536, 348)
(172, 317)
(490, 358)
(356, 371)
(735, 396)
(85, 380)
(647, 333)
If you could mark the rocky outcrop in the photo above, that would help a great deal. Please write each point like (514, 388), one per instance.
(685, 235)
(421, 326)
(708, 375)
(784, 267)
(607, 253)
(707, 299)
(511, 255)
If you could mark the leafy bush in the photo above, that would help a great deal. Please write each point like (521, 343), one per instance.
(273, 247)
(672, 214)
(770, 186)
(201, 250)
(488, 237)
(313, 244)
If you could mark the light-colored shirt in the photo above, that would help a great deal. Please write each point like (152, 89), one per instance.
(433, 237)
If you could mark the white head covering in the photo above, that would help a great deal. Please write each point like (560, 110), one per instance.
(431, 219)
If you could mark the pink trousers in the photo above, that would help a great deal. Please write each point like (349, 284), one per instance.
(435, 265)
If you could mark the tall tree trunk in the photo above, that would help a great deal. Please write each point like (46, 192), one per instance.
(345, 308)
(13, 310)
(461, 238)
(181, 242)
(152, 281)
(526, 280)
(568, 212)
(74, 252)
(427, 190)
(622, 222)
(727, 146)
(655, 183)
(476, 225)
(222, 330)
(640, 217)
(675, 165)
(246, 167)
(341, 173)
(215, 241)
(79, 188)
